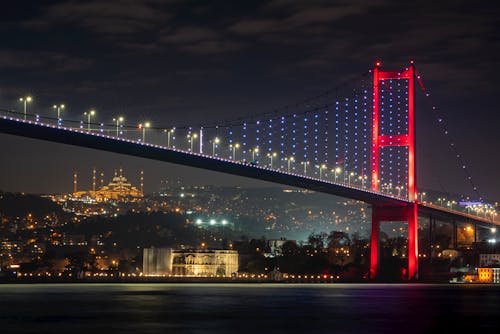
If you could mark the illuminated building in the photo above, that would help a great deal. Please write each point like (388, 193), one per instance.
(119, 189)
(189, 262)
(488, 275)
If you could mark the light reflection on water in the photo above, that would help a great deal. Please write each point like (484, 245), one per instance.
(247, 308)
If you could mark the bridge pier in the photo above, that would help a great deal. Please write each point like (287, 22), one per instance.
(407, 214)
(454, 235)
(431, 239)
(475, 234)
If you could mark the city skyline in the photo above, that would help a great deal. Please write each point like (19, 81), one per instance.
(168, 63)
(249, 166)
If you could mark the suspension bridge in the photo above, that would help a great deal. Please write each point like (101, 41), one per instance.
(358, 143)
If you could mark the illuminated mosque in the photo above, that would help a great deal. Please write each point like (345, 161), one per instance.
(119, 189)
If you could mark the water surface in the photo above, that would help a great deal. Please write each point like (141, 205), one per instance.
(248, 308)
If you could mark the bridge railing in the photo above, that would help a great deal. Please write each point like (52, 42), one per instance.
(193, 141)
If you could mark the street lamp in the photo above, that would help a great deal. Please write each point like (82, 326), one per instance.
(399, 188)
(271, 155)
(255, 150)
(191, 138)
(336, 171)
(234, 147)
(323, 166)
(349, 177)
(58, 108)
(305, 163)
(89, 114)
(215, 142)
(118, 120)
(169, 133)
(25, 101)
(363, 178)
(144, 127)
(289, 160)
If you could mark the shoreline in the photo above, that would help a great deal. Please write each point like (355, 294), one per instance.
(204, 280)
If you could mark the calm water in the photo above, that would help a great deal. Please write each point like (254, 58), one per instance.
(248, 308)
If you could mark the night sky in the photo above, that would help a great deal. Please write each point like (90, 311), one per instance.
(174, 62)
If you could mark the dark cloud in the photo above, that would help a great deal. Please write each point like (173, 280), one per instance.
(200, 40)
(212, 47)
(107, 17)
(258, 26)
(188, 34)
(299, 14)
(42, 60)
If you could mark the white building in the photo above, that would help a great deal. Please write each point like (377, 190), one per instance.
(189, 262)
(489, 260)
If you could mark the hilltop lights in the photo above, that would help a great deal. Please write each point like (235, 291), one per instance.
(211, 222)
(25, 101)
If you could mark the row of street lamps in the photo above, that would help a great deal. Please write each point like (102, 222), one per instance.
(58, 108)
(192, 137)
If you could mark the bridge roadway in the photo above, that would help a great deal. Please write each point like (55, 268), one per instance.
(82, 138)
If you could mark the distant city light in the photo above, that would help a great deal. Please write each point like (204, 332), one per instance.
(211, 222)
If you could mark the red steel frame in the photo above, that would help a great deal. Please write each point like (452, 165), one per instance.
(383, 213)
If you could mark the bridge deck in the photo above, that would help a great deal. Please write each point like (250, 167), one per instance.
(103, 142)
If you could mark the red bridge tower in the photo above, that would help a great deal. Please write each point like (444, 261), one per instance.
(382, 213)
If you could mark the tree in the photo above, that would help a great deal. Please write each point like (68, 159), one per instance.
(317, 241)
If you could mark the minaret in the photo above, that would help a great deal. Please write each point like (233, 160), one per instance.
(142, 182)
(75, 182)
(121, 172)
(102, 179)
(93, 179)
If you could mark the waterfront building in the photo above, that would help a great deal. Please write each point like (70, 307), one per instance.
(189, 262)
(488, 275)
